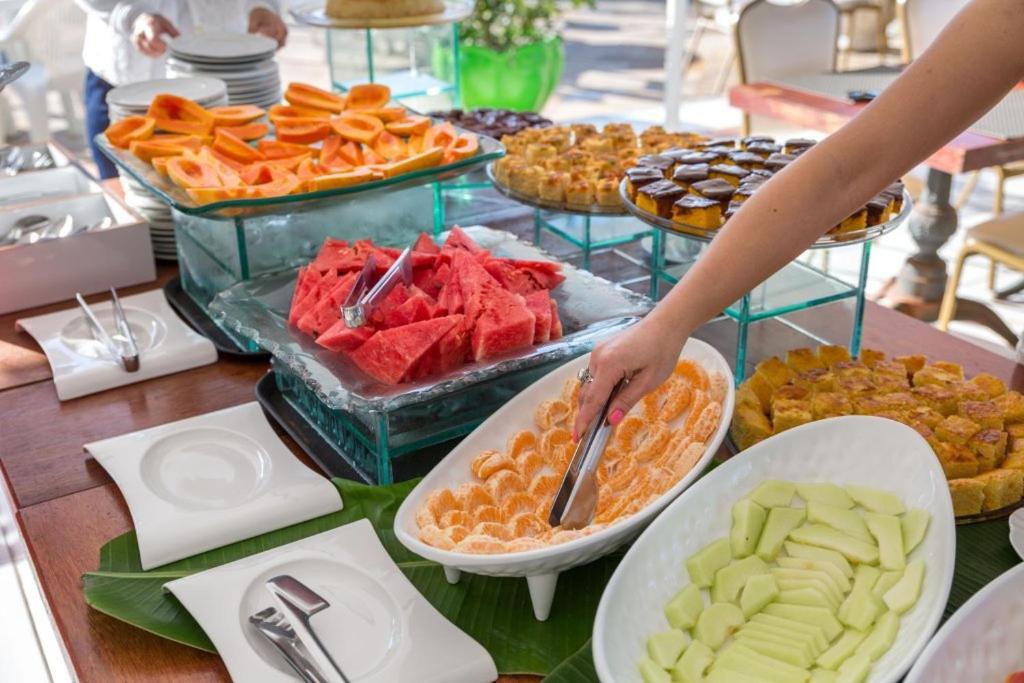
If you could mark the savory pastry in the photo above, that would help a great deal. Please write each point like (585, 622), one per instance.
(728, 172)
(697, 212)
(638, 176)
(717, 189)
(382, 9)
(552, 187)
(686, 175)
(658, 198)
(580, 191)
(525, 179)
(538, 152)
(607, 192)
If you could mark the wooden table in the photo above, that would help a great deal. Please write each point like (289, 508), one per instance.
(922, 280)
(68, 507)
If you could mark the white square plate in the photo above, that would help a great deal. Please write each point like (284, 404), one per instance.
(210, 480)
(378, 629)
(81, 364)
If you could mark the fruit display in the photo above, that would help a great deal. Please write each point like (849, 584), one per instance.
(495, 123)
(503, 507)
(579, 165)
(810, 585)
(1015, 677)
(975, 426)
(703, 185)
(464, 305)
(322, 141)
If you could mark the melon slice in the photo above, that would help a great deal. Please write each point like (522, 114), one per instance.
(539, 303)
(458, 239)
(426, 244)
(390, 355)
(340, 337)
(505, 325)
(556, 321)
(328, 309)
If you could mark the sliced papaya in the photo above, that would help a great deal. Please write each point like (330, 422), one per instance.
(147, 150)
(311, 97)
(334, 181)
(464, 146)
(176, 114)
(183, 127)
(130, 128)
(276, 149)
(248, 131)
(235, 115)
(208, 195)
(368, 96)
(371, 158)
(307, 170)
(410, 125)
(391, 147)
(236, 148)
(233, 164)
(387, 114)
(289, 163)
(440, 135)
(228, 175)
(302, 131)
(359, 127)
(277, 182)
(186, 172)
(415, 144)
(285, 111)
(431, 157)
(329, 148)
(193, 142)
(160, 164)
(351, 153)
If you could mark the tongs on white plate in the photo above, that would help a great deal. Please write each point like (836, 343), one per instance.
(299, 603)
(121, 346)
(576, 500)
(361, 301)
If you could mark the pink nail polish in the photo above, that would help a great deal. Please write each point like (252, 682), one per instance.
(575, 437)
(616, 417)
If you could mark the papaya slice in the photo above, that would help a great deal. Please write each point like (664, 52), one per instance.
(351, 153)
(274, 182)
(415, 144)
(311, 97)
(410, 125)
(387, 114)
(234, 147)
(193, 142)
(302, 131)
(371, 158)
(285, 111)
(180, 115)
(463, 147)
(368, 96)
(431, 157)
(289, 163)
(130, 128)
(440, 135)
(276, 149)
(235, 115)
(186, 172)
(183, 127)
(329, 148)
(147, 150)
(334, 181)
(307, 170)
(160, 165)
(358, 127)
(228, 175)
(390, 146)
(208, 195)
(234, 165)
(248, 131)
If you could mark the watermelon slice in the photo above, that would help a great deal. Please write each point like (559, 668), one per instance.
(449, 353)
(304, 308)
(389, 356)
(418, 306)
(460, 240)
(450, 297)
(539, 304)
(328, 309)
(426, 244)
(475, 283)
(547, 274)
(514, 279)
(307, 280)
(333, 255)
(385, 310)
(340, 337)
(431, 280)
(505, 324)
(556, 321)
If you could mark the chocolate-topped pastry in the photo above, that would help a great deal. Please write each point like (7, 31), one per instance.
(728, 142)
(731, 210)
(895, 193)
(638, 176)
(657, 198)
(676, 153)
(858, 220)
(716, 188)
(798, 145)
(762, 173)
(493, 122)
(878, 209)
(658, 161)
(747, 160)
(745, 191)
(688, 174)
(721, 153)
(765, 149)
(756, 139)
(697, 158)
(728, 172)
(697, 212)
(778, 161)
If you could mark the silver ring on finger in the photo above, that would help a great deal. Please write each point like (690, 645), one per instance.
(585, 376)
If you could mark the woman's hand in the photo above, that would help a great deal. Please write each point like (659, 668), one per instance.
(269, 24)
(148, 33)
(647, 353)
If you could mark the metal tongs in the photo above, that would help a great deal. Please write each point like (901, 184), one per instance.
(576, 500)
(121, 346)
(359, 303)
(298, 604)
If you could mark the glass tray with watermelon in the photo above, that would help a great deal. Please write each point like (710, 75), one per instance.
(486, 316)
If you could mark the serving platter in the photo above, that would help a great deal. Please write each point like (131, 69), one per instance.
(559, 207)
(314, 14)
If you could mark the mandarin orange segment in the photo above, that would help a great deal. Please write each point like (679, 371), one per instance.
(504, 483)
(624, 473)
(610, 514)
(686, 460)
(544, 485)
(626, 431)
(441, 501)
(719, 387)
(517, 502)
(481, 545)
(676, 401)
(425, 517)
(654, 443)
(693, 373)
(431, 535)
(487, 513)
(456, 533)
(527, 524)
(520, 442)
(478, 462)
(471, 496)
(495, 464)
(453, 518)
(707, 422)
(551, 413)
(528, 464)
(571, 391)
(492, 529)
(551, 440)
(564, 536)
(700, 399)
(521, 545)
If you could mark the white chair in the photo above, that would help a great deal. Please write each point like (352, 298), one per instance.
(776, 39)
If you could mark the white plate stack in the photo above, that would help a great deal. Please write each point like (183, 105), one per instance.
(133, 99)
(244, 61)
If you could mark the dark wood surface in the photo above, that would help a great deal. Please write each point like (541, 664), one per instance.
(967, 152)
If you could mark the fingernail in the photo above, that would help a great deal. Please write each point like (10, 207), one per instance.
(575, 437)
(616, 417)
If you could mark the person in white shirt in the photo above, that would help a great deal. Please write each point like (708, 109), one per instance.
(126, 42)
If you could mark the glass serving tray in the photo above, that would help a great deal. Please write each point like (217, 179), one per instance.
(177, 198)
(824, 242)
(560, 207)
(591, 309)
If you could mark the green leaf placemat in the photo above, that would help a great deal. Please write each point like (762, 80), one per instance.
(495, 611)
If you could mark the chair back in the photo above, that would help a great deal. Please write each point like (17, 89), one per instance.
(50, 33)
(776, 38)
(921, 21)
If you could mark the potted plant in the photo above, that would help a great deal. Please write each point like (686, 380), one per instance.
(511, 54)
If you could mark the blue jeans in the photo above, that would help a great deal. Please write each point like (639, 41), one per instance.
(97, 120)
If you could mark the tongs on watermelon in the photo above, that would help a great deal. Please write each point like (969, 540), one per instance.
(362, 299)
(576, 499)
(121, 345)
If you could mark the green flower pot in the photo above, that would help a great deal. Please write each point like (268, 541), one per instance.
(521, 79)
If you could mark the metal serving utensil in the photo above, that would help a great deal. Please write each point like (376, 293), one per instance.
(358, 307)
(32, 223)
(12, 72)
(121, 346)
(299, 603)
(272, 625)
(576, 500)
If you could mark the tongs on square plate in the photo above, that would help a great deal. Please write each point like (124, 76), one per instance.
(576, 500)
(121, 346)
(299, 603)
(361, 301)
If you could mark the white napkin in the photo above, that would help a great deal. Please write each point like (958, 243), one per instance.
(210, 480)
(81, 364)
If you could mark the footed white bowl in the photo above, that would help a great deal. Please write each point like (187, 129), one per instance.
(541, 567)
(869, 451)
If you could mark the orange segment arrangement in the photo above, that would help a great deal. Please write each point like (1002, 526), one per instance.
(504, 506)
(321, 141)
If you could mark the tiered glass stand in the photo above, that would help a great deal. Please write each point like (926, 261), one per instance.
(797, 287)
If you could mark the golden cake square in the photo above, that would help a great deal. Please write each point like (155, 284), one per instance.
(986, 413)
(830, 404)
(956, 429)
(968, 496)
(830, 355)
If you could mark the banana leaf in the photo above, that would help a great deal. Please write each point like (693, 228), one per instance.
(495, 611)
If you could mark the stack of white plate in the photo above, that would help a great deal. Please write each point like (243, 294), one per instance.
(244, 61)
(133, 99)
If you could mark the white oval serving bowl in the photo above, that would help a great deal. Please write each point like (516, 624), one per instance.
(1017, 532)
(541, 567)
(982, 641)
(869, 451)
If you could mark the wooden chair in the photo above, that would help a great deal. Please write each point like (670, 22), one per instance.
(848, 10)
(1002, 241)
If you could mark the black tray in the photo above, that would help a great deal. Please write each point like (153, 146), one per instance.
(327, 457)
(200, 321)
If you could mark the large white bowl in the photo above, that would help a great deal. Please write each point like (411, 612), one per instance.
(983, 642)
(541, 567)
(869, 451)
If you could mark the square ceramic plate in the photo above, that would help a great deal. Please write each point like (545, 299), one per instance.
(378, 629)
(81, 364)
(869, 451)
(210, 480)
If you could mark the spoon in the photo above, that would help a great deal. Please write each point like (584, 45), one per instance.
(26, 225)
(12, 72)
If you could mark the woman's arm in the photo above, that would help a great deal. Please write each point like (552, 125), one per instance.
(966, 71)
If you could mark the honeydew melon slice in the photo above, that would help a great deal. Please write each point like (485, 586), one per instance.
(739, 657)
(780, 635)
(729, 580)
(833, 494)
(758, 592)
(724, 675)
(747, 522)
(809, 584)
(683, 609)
(915, 524)
(847, 521)
(854, 670)
(902, 596)
(886, 581)
(838, 577)
(791, 653)
(814, 616)
(888, 532)
(650, 672)
(823, 676)
(703, 564)
(810, 552)
(826, 537)
(882, 636)
(773, 493)
(875, 500)
(808, 597)
(861, 607)
(695, 661)
(781, 521)
(817, 633)
(666, 647)
(717, 622)
(812, 575)
(841, 649)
